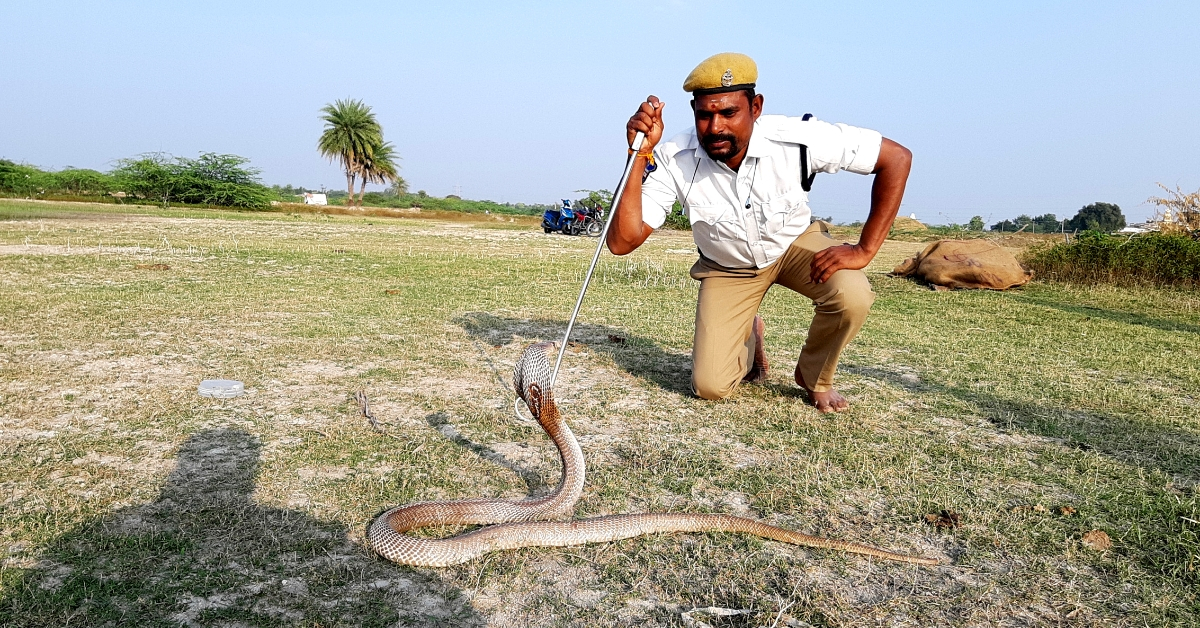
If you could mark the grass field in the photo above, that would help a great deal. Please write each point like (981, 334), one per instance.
(126, 499)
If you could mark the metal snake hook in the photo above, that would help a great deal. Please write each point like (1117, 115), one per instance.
(637, 145)
(562, 348)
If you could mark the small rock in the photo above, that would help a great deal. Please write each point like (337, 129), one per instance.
(294, 586)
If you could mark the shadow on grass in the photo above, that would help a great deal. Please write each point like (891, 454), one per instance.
(1116, 316)
(1150, 446)
(204, 553)
(533, 480)
(1165, 541)
(637, 355)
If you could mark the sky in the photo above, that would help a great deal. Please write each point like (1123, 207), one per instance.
(1009, 108)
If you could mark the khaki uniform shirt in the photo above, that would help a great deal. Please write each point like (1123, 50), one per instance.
(714, 197)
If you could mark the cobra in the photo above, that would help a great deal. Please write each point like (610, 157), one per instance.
(522, 522)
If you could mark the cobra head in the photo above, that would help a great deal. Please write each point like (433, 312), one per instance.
(531, 375)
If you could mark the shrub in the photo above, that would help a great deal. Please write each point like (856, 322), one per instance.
(82, 182)
(1178, 211)
(406, 200)
(1171, 259)
(214, 179)
(23, 179)
(152, 175)
(211, 179)
(676, 219)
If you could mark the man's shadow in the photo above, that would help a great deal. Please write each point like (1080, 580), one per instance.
(204, 553)
(637, 355)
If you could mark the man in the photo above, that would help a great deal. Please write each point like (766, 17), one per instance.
(743, 180)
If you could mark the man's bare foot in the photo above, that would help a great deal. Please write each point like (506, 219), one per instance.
(827, 401)
(758, 372)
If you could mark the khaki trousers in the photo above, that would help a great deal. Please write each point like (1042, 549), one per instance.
(723, 351)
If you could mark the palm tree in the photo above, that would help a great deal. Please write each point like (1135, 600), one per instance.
(399, 187)
(379, 167)
(351, 136)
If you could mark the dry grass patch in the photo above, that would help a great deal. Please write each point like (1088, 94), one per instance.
(1036, 416)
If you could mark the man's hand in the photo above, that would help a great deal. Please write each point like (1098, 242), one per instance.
(648, 120)
(628, 231)
(835, 258)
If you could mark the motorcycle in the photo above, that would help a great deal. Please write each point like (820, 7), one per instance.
(559, 219)
(570, 220)
(590, 222)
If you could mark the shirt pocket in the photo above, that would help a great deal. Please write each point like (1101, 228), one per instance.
(779, 211)
(717, 222)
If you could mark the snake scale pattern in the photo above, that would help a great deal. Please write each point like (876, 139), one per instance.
(515, 523)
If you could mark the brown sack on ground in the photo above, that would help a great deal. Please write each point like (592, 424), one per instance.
(965, 264)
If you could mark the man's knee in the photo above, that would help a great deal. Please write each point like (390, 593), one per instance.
(852, 298)
(708, 388)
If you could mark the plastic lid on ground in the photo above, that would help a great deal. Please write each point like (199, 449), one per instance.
(221, 388)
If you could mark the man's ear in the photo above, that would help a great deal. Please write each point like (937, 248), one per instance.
(756, 106)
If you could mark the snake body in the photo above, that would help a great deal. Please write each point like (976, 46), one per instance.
(521, 522)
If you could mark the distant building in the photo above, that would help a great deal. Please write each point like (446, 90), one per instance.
(1140, 227)
(311, 198)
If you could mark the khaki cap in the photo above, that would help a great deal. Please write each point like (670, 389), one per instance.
(725, 72)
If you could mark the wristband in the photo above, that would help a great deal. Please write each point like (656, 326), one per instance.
(649, 156)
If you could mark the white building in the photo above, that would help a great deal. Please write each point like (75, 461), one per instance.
(311, 198)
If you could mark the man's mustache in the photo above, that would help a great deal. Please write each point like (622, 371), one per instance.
(720, 137)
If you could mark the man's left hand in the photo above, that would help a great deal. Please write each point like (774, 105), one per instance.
(835, 258)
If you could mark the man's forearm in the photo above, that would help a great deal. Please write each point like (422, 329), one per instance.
(887, 191)
(628, 231)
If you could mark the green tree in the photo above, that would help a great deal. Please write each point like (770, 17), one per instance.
(1013, 225)
(23, 179)
(149, 175)
(211, 179)
(594, 199)
(1097, 217)
(81, 181)
(350, 137)
(976, 223)
(214, 179)
(399, 187)
(1047, 223)
(378, 167)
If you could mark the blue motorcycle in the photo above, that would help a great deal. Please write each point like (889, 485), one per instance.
(571, 221)
(561, 219)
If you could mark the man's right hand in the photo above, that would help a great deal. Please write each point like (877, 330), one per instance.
(628, 231)
(648, 120)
